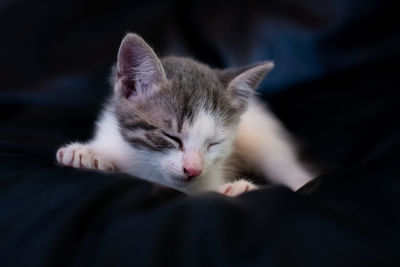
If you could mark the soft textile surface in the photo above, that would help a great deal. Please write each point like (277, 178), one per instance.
(335, 87)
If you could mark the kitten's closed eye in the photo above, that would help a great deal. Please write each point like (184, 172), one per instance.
(176, 140)
(212, 145)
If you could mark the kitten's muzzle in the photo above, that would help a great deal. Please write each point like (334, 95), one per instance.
(192, 164)
(187, 177)
(190, 173)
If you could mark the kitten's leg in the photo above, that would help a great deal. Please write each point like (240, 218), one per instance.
(236, 188)
(107, 150)
(263, 142)
(82, 156)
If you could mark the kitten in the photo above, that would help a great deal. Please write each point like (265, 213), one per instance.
(177, 122)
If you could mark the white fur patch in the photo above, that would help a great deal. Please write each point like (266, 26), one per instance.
(263, 141)
(203, 128)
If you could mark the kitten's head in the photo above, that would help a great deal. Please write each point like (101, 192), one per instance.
(178, 115)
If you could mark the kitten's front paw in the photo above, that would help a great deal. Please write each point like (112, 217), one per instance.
(81, 156)
(236, 188)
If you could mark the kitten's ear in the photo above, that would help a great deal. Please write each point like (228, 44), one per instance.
(242, 82)
(139, 70)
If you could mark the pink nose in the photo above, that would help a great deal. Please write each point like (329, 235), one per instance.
(191, 173)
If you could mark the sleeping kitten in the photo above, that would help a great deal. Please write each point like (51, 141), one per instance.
(177, 122)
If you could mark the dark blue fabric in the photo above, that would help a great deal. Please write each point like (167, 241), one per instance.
(335, 87)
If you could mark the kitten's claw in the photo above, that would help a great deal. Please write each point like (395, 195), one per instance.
(236, 188)
(81, 156)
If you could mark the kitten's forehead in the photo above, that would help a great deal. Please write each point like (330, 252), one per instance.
(189, 74)
(204, 125)
(194, 88)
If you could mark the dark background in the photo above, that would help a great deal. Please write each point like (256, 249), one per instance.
(335, 86)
